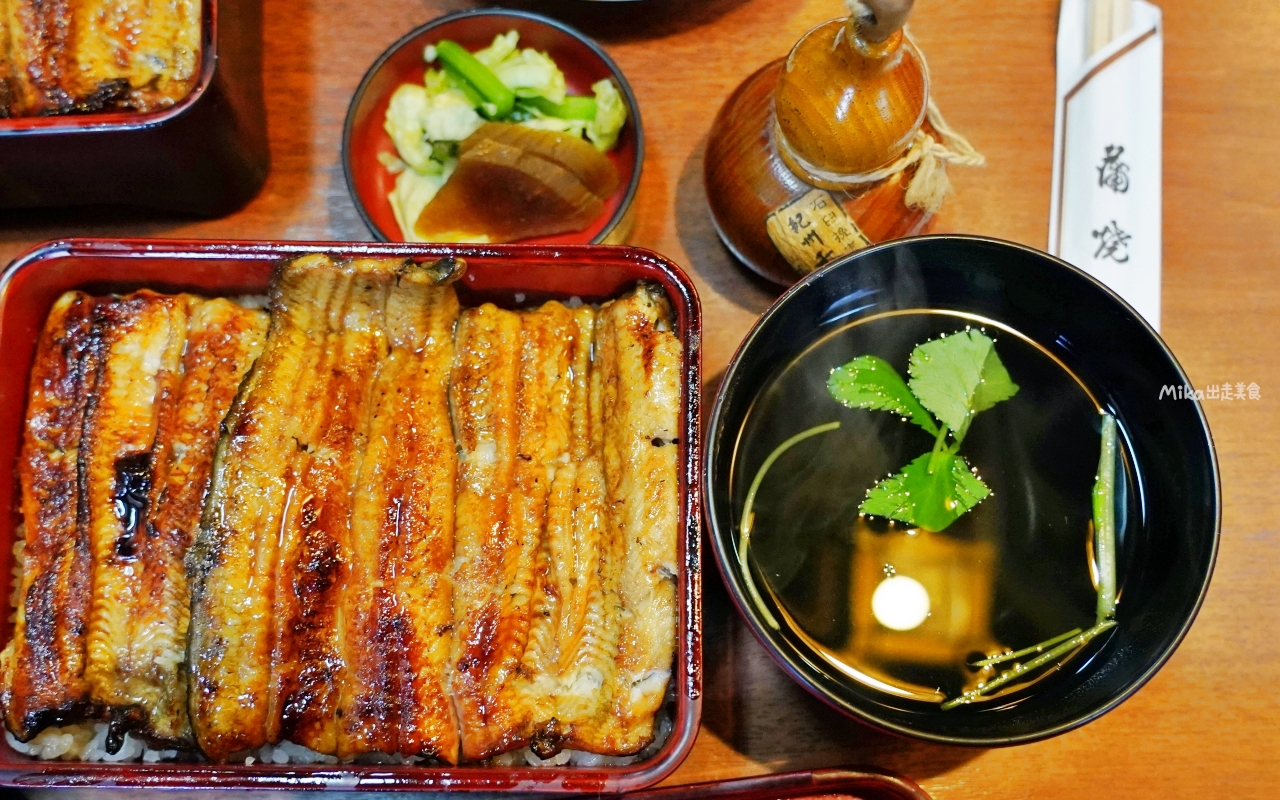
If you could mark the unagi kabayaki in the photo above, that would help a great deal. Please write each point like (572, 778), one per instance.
(409, 529)
(398, 610)
(62, 56)
(639, 361)
(43, 664)
(568, 511)
(127, 394)
(296, 544)
(511, 393)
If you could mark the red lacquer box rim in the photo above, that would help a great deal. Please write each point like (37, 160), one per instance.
(235, 267)
(869, 783)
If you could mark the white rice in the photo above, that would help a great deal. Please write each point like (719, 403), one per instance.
(287, 752)
(85, 741)
(663, 725)
(256, 301)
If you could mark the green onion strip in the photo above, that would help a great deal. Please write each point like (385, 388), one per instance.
(1026, 651)
(1018, 670)
(748, 515)
(456, 58)
(1104, 520)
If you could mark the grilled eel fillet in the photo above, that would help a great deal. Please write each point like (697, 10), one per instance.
(138, 629)
(510, 394)
(313, 559)
(156, 375)
(277, 565)
(125, 443)
(567, 525)
(43, 665)
(398, 610)
(223, 340)
(61, 56)
(637, 361)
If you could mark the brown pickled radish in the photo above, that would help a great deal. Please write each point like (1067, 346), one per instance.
(514, 182)
(573, 153)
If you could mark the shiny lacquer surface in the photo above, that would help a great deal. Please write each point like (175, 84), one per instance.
(846, 107)
(509, 276)
(1204, 727)
(206, 154)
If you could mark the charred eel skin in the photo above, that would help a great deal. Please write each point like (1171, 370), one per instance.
(287, 555)
(43, 665)
(126, 397)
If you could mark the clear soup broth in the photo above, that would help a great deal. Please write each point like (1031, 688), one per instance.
(1013, 571)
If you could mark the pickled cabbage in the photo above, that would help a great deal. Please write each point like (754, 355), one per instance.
(428, 121)
(611, 115)
(526, 72)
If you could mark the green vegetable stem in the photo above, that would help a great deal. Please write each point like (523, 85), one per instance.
(573, 107)
(1104, 531)
(499, 100)
(749, 517)
(1021, 669)
(1026, 651)
(1104, 520)
(463, 85)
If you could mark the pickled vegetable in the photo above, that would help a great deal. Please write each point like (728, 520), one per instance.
(514, 182)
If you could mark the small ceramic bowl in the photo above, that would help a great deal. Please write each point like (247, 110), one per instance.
(583, 63)
(1168, 538)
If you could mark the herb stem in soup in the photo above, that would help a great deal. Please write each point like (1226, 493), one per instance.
(1104, 527)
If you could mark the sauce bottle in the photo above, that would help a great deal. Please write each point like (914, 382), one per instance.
(815, 155)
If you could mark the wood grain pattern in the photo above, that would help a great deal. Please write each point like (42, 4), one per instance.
(744, 189)
(1207, 725)
(848, 109)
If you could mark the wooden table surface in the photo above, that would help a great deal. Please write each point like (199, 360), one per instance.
(1205, 725)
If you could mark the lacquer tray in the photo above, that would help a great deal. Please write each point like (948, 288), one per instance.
(511, 275)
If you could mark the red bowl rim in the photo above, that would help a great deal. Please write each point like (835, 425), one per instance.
(633, 106)
(113, 121)
(687, 671)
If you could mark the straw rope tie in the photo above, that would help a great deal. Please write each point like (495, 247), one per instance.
(929, 187)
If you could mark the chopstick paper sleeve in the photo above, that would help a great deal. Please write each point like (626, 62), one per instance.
(1105, 213)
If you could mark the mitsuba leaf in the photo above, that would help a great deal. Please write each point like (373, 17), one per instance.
(929, 500)
(870, 382)
(957, 376)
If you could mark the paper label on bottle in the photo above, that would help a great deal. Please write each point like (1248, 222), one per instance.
(814, 229)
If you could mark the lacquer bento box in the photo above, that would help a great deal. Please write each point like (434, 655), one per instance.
(499, 278)
(201, 149)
